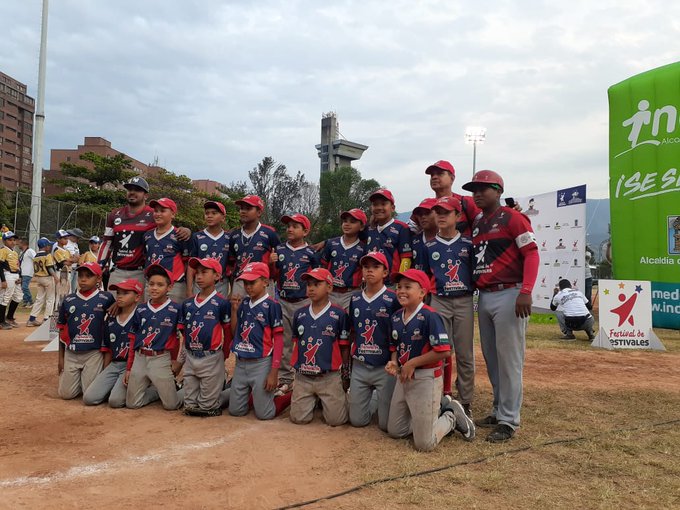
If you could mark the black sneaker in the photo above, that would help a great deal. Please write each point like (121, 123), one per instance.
(501, 434)
(464, 424)
(488, 422)
(444, 403)
(568, 337)
(591, 335)
(5, 325)
(468, 411)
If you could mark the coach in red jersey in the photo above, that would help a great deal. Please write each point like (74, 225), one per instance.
(124, 234)
(505, 268)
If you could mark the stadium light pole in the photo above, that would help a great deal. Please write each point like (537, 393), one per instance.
(475, 135)
(38, 135)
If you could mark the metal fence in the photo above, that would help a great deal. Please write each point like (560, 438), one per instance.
(55, 215)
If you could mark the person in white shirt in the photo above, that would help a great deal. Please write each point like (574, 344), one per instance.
(573, 311)
(26, 269)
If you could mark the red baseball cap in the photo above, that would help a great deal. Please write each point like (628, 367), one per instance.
(207, 262)
(252, 201)
(375, 255)
(156, 269)
(168, 203)
(297, 218)
(417, 276)
(382, 193)
(426, 204)
(441, 165)
(320, 274)
(253, 271)
(449, 203)
(211, 204)
(92, 267)
(357, 214)
(129, 284)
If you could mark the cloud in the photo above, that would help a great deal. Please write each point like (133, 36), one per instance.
(211, 87)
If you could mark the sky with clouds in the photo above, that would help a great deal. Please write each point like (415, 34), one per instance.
(211, 87)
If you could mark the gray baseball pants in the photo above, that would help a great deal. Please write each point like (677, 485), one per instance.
(118, 275)
(365, 379)
(288, 309)
(108, 384)
(203, 381)
(44, 298)
(415, 410)
(250, 376)
(80, 369)
(503, 336)
(327, 388)
(156, 370)
(587, 325)
(459, 320)
(341, 299)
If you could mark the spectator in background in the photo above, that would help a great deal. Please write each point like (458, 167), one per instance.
(572, 311)
(26, 267)
(72, 247)
(588, 291)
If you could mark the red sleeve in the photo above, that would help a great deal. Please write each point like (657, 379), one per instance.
(530, 272)
(520, 228)
(278, 348)
(226, 344)
(63, 334)
(131, 351)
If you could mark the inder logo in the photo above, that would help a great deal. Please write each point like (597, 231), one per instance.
(646, 126)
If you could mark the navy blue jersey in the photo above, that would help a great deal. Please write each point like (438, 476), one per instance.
(343, 261)
(419, 251)
(81, 320)
(166, 250)
(414, 336)
(291, 264)
(256, 247)
(202, 323)
(155, 329)
(317, 339)
(204, 245)
(116, 339)
(370, 321)
(393, 240)
(257, 323)
(449, 263)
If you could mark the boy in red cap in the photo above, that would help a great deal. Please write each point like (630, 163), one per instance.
(442, 175)
(419, 345)
(424, 218)
(162, 246)
(81, 331)
(321, 349)
(291, 261)
(258, 345)
(153, 338)
(341, 256)
(205, 325)
(448, 261)
(387, 235)
(211, 242)
(253, 242)
(369, 316)
(109, 384)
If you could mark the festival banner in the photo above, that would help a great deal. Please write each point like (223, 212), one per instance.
(558, 219)
(644, 180)
(626, 316)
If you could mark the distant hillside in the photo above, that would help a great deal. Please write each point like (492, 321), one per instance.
(597, 223)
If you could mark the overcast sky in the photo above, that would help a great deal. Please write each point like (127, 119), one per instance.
(211, 87)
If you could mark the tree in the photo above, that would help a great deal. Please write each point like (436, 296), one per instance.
(113, 170)
(341, 190)
(279, 190)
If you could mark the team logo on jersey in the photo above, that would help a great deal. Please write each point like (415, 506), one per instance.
(204, 247)
(188, 316)
(416, 335)
(356, 312)
(310, 366)
(125, 239)
(112, 338)
(329, 331)
(84, 327)
(301, 330)
(245, 260)
(117, 221)
(368, 241)
(435, 256)
(382, 312)
(194, 342)
(71, 309)
(244, 345)
(395, 334)
(340, 270)
(290, 274)
(150, 337)
(404, 353)
(452, 270)
(282, 257)
(481, 252)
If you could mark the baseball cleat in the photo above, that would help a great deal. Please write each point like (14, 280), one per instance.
(489, 421)
(501, 434)
(33, 324)
(463, 424)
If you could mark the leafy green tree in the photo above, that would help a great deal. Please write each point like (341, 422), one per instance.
(102, 170)
(341, 190)
(279, 190)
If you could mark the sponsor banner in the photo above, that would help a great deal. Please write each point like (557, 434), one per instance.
(558, 219)
(644, 177)
(626, 316)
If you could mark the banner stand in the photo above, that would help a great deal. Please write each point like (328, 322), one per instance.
(602, 341)
(53, 346)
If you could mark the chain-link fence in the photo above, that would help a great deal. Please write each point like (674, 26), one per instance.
(54, 215)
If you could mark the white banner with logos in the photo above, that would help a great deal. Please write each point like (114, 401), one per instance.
(558, 219)
(626, 316)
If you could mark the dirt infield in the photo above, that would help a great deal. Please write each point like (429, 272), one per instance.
(61, 454)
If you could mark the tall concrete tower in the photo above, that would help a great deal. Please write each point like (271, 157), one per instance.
(335, 152)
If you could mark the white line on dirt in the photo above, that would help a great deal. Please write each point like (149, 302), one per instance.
(108, 466)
